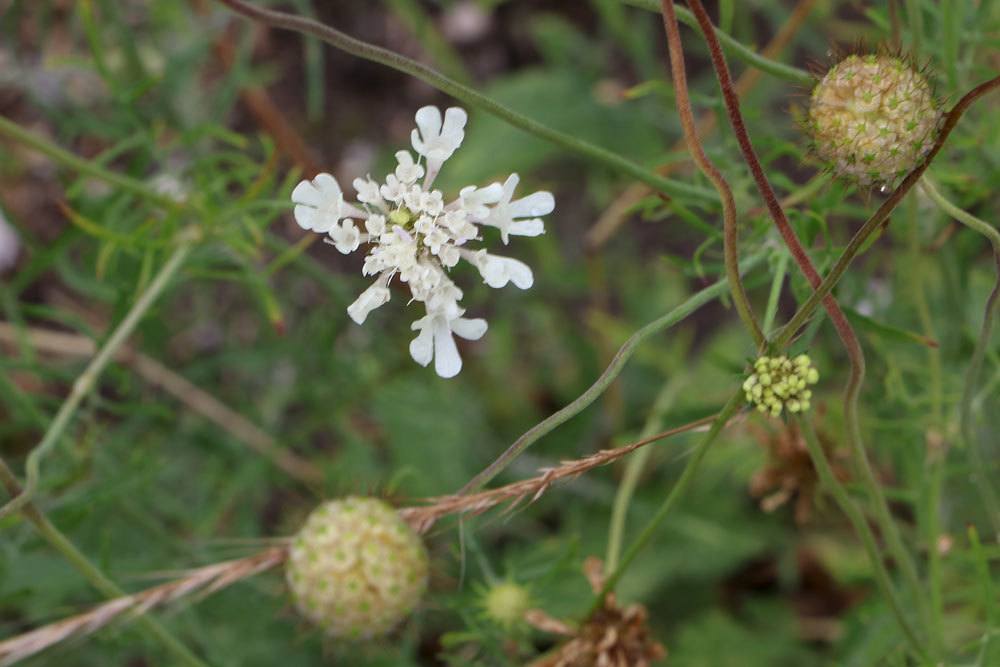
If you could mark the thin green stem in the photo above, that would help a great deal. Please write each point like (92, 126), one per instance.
(771, 311)
(470, 96)
(731, 407)
(980, 475)
(86, 381)
(91, 572)
(736, 48)
(633, 470)
(830, 482)
(88, 167)
(625, 352)
(936, 449)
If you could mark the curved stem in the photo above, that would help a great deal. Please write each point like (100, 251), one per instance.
(624, 353)
(91, 572)
(982, 479)
(853, 347)
(737, 48)
(830, 482)
(731, 407)
(730, 234)
(468, 95)
(86, 381)
(860, 238)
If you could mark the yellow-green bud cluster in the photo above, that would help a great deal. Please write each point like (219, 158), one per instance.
(505, 603)
(356, 569)
(779, 383)
(873, 118)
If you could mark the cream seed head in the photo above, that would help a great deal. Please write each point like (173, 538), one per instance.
(356, 569)
(779, 383)
(873, 118)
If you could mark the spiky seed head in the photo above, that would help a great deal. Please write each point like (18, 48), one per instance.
(505, 602)
(356, 569)
(873, 118)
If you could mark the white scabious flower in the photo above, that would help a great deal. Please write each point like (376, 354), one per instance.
(414, 234)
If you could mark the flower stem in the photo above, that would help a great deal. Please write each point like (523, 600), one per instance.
(829, 481)
(982, 479)
(731, 407)
(624, 353)
(737, 48)
(850, 340)
(86, 381)
(67, 159)
(730, 234)
(91, 572)
(468, 95)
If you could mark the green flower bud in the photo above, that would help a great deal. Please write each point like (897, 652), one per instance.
(778, 383)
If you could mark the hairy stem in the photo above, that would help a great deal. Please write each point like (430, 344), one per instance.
(91, 572)
(830, 482)
(860, 238)
(468, 95)
(735, 47)
(730, 234)
(86, 381)
(837, 317)
(624, 353)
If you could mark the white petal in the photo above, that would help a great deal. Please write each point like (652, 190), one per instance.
(469, 329)
(422, 347)
(447, 362)
(369, 300)
(454, 124)
(429, 121)
(306, 193)
(305, 216)
(327, 185)
(534, 205)
(533, 227)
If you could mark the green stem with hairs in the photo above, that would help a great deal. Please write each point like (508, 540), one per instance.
(91, 572)
(625, 352)
(830, 482)
(86, 381)
(470, 96)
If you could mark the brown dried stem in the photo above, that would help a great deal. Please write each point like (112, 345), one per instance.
(837, 317)
(205, 580)
(212, 578)
(730, 234)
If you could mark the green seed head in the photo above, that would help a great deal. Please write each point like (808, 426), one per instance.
(779, 383)
(505, 603)
(873, 118)
(355, 569)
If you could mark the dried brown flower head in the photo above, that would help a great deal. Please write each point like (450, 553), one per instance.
(611, 637)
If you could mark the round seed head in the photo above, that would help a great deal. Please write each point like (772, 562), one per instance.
(356, 569)
(873, 118)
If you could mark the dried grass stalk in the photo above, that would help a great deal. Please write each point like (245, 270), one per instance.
(204, 580)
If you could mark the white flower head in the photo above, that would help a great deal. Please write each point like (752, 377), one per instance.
(414, 235)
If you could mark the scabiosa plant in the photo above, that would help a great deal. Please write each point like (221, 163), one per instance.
(413, 234)
(356, 569)
(778, 383)
(505, 602)
(873, 118)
